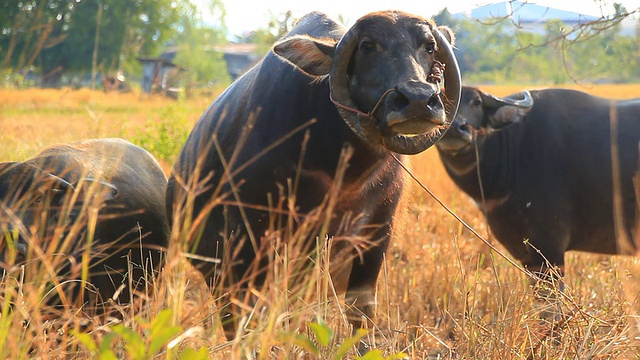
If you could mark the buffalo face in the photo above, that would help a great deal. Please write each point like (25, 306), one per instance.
(35, 204)
(387, 76)
(481, 112)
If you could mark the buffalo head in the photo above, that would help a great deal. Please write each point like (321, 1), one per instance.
(482, 112)
(35, 204)
(393, 78)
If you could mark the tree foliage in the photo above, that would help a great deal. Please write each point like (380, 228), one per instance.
(197, 50)
(265, 37)
(502, 52)
(56, 36)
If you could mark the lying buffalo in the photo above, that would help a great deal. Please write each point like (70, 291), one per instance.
(376, 88)
(546, 174)
(100, 201)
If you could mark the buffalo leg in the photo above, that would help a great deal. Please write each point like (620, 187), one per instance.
(548, 282)
(362, 281)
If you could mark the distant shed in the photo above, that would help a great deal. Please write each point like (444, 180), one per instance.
(239, 57)
(159, 74)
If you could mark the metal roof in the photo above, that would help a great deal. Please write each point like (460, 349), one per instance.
(525, 12)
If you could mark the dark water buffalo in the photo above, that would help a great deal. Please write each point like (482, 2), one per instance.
(376, 87)
(106, 195)
(547, 173)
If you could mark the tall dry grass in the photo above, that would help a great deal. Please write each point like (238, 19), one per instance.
(442, 293)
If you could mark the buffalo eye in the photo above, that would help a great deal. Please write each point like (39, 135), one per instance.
(476, 102)
(37, 197)
(367, 46)
(429, 48)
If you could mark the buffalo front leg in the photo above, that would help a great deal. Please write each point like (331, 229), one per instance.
(548, 285)
(361, 288)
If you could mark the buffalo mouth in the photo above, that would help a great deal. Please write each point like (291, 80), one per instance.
(417, 128)
(452, 145)
(459, 137)
(400, 143)
(423, 126)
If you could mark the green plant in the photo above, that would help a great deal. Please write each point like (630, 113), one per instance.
(165, 138)
(156, 335)
(323, 348)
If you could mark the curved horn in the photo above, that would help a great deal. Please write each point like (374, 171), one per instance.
(494, 101)
(453, 81)
(508, 110)
(59, 183)
(339, 87)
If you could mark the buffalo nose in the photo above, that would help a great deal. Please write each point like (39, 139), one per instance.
(398, 101)
(414, 101)
(434, 101)
(460, 127)
(401, 101)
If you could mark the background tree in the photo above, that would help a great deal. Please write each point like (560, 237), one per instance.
(198, 46)
(145, 24)
(57, 37)
(60, 35)
(28, 27)
(266, 36)
(502, 51)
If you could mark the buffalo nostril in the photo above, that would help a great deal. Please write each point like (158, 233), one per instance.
(434, 101)
(400, 101)
(464, 128)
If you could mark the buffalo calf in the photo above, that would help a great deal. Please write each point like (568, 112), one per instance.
(96, 202)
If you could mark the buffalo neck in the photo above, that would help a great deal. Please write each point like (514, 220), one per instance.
(304, 100)
(498, 153)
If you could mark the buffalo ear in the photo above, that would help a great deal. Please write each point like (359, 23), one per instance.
(507, 115)
(313, 56)
(448, 34)
(508, 110)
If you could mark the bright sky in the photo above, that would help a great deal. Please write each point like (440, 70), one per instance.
(246, 15)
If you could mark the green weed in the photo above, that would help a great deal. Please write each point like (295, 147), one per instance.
(164, 138)
(122, 341)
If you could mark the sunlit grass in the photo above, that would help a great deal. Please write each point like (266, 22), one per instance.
(35, 118)
(611, 91)
(441, 294)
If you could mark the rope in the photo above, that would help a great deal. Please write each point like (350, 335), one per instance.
(459, 219)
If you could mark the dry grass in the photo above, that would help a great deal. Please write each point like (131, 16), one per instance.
(442, 293)
(619, 91)
(35, 118)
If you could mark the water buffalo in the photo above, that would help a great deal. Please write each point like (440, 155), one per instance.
(103, 198)
(377, 88)
(546, 170)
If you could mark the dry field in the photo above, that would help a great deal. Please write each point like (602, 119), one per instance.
(442, 294)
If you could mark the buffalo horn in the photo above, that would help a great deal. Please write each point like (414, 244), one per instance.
(494, 101)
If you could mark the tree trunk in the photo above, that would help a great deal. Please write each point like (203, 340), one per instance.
(94, 62)
(12, 43)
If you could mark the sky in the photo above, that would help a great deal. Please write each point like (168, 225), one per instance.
(247, 15)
